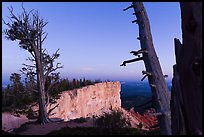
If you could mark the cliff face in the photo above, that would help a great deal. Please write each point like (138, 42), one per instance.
(83, 102)
(87, 101)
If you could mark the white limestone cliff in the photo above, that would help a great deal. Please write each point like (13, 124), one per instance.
(83, 102)
(87, 101)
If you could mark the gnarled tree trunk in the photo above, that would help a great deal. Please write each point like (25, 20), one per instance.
(186, 95)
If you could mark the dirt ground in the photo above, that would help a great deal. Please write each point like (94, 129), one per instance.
(38, 129)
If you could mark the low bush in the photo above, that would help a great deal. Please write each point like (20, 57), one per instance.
(112, 120)
(80, 120)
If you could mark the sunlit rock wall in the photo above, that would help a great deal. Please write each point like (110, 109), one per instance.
(87, 101)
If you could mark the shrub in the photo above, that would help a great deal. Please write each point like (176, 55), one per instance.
(140, 125)
(113, 120)
(80, 120)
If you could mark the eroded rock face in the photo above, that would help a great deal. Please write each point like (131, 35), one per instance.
(83, 102)
(146, 119)
(87, 101)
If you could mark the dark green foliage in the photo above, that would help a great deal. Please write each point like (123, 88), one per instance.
(80, 120)
(98, 81)
(66, 84)
(31, 114)
(15, 95)
(7, 96)
(19, 94)
(113, 120)
(17, 88)
(7, 109)
(140, 125)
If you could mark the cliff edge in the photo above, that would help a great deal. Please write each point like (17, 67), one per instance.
(87, 101)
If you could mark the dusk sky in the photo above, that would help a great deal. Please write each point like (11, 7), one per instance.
(94, 38)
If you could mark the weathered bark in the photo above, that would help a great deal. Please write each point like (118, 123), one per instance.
(43, 116)
(176, 105)
(186, 101)
(153, 69)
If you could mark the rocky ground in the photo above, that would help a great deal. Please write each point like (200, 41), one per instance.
(31, 128)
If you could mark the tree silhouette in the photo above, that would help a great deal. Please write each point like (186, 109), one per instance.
(28, 29)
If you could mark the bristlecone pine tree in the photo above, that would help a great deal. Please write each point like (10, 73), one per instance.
(160, 98)
(27, 28)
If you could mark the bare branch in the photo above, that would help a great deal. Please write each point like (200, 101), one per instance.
(51, 85)
(130, 61)
(147, 73)
(12, 15)
(24, 11)
(52, 109)
(6, 23)
(44, 38)
(138, 52)
(55, 55)
(52, 70)
(165, 76)
(23, 72)
(29, 66)
(144, 77)
(33, 105)
(31, 59)
(128, 8)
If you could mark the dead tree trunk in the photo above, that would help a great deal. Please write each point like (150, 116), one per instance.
(153, 69)
(186, 94)
(176, 102)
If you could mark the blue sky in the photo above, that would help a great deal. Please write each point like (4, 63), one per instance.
(94, 38)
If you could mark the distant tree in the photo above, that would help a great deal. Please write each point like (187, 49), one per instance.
(28, 29)
(17, 88)
(31, 87)
(17, 85)
(88, 82)
(97, 81)
(5, 96)
(84, 82)
(80, 83)
(68, 84)
(77, 84)
(74, 82)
